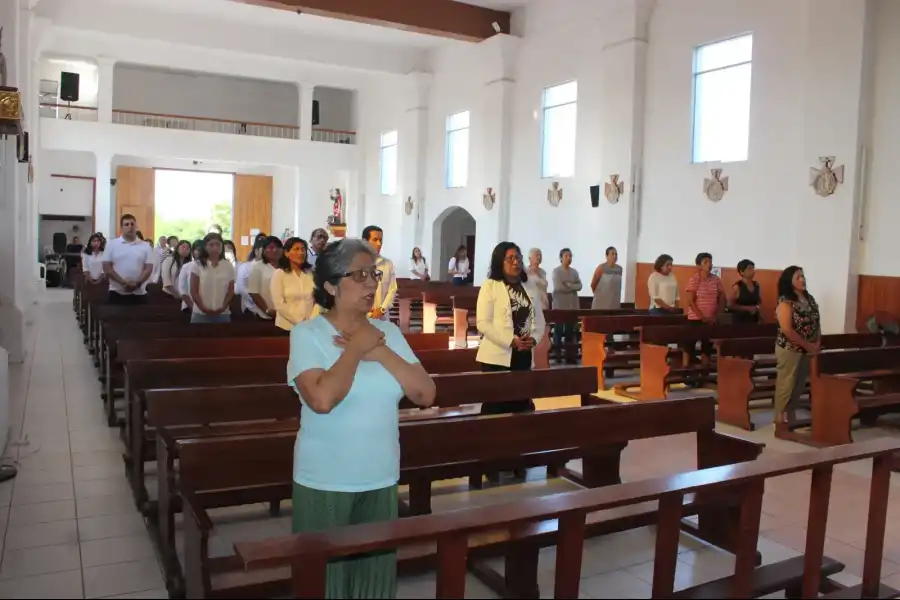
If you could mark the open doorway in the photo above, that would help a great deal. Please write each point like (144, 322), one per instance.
(188, 203)
(453, 228)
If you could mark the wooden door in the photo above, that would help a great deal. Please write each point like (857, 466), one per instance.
(252, 210)
(136, 195)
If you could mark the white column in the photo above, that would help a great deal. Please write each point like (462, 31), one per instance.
(495, 149)
(412, 147)
(835, 109)
(304, 120)
(103, 216)
(105, 68)
(12, 199)
(622, 138)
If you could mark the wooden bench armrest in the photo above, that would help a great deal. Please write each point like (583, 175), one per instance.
(194, 510)
(716, 449)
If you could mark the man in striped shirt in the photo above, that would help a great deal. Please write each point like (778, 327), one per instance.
(705, 300)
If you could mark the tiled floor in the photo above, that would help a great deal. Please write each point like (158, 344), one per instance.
(69, 527)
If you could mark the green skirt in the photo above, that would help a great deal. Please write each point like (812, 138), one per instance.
(371, 575)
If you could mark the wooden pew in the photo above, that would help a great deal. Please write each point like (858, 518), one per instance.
(437, 305)
(657, 369)
(142, 375)
(838, 397)
(452, 538)
(194, 413)
(147, 333)
(466, 444)
(599, 347)
(745, 370)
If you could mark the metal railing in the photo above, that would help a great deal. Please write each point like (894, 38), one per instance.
(163, 121)
(184, 123)
(333, 136)
(68, 112)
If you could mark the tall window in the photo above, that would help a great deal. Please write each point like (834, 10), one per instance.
(389, 163)
(722, 100)
(458, 150)
(558, 136)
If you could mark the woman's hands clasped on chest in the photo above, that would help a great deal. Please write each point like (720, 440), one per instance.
(367, 342)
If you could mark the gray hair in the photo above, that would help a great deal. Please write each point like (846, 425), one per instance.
(533, 250)
(332, 264)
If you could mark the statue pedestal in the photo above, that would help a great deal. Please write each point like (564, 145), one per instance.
(338, 230)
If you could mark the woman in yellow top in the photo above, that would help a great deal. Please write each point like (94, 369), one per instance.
(292, 286)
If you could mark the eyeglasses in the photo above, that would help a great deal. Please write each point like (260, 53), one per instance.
(363, 275)
(513, 259)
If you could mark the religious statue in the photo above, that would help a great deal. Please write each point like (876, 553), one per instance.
(337, 208)
(715, 187)
(288, 233)
(613, 189)
(3, 72)
(826, 179)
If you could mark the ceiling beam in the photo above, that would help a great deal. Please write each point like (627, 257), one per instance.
(443, 18)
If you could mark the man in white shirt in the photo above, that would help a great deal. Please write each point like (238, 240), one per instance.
(318, 239)
(128, 263)
(387, 287)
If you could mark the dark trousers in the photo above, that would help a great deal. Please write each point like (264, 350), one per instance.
(127, 299)
(706, 346)
(563, 333)
(460, 281)
(520, 361)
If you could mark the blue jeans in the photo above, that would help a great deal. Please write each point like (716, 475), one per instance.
(460, 281)
(201, 318)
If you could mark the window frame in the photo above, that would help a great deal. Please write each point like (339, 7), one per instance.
(447, 148)
(695, 77)
(381, 148)
(544, 109)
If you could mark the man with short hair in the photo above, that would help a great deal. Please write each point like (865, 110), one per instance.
(387, 287)
(318, 239)
(128, 263)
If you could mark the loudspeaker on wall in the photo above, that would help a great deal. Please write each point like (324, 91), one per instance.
(595, 196)
(69, 84)
(315, 115)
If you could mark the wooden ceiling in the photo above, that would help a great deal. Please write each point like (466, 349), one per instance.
(442, 18)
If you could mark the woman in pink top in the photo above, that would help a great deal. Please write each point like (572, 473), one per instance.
(705, 300)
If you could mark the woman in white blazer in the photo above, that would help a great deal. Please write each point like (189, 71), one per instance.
(510, 320)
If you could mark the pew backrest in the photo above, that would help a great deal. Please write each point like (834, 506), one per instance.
(613, 324)
(461, 388)
(673, 334)
(265, 459)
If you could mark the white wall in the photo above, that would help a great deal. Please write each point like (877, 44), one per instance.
(67, 196)
(146, 89)
(807, 101)
(744, 223)
(336, 108)
(881, 245)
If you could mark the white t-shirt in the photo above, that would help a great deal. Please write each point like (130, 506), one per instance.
(260, 282)
(183, 286)
(417, 265)
(92, 265)
(214, 281)
(128, 260)
(462, 266)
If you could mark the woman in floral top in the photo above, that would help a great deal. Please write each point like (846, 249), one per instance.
(798, 337)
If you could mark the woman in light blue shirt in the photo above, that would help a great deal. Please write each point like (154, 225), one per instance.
(351, 372)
